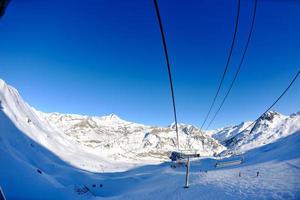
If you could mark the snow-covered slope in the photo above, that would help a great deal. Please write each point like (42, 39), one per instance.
(277, 163)
(21, 158)
(38, 129)
(56, 156)
(93, 143)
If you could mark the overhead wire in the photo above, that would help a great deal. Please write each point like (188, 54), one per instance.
(227, 63)
(169, 68)
(240, 64)
(273, 104)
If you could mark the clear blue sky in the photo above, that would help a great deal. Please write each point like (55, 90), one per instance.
(98, 57)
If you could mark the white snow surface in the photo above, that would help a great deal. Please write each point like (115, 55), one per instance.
(68, 156)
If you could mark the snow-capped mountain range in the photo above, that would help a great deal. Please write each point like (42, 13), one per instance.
(94, 143)
(66, 156)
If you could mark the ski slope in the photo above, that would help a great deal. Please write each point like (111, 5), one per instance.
(50, 156)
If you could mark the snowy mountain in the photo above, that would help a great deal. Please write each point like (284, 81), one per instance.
(101, 139)
(112, 139)
(65, 156)
(225, 134)
(121, 139)
(269, 128)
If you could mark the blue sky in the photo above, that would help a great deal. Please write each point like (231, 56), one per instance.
(98, 57)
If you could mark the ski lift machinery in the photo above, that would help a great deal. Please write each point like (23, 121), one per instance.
(183, 158)
(182, 155)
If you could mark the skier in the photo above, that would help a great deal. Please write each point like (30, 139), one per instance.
(257, 173)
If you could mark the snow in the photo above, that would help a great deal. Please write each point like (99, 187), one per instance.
(271, 127)
(91, 157)
(224, 134)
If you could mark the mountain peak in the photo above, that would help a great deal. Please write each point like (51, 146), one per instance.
(269, 115)
(112, 116)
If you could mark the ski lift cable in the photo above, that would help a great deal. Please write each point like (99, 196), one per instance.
(3, 7)
(168, 66)
(282, 94)
(240, 64)
(227, 63)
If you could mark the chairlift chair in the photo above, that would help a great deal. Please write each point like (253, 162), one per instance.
(175, 156)
(232, 161)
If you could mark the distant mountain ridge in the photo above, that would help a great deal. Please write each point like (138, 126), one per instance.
(132, 140)
(111, 139)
